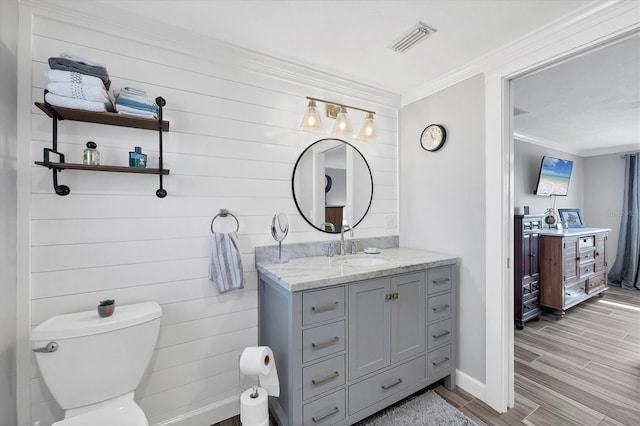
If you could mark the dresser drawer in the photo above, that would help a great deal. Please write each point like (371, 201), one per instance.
(370, 391)
(438, 307)
(588, 241)
(323, 376)
(328, 410)
(574, 292)
(595, 284)
(322, 305)
(438, 334)
(586, 270)
(587, 255)
(530, 288)
(323, 340)
(438, 363)
(438, 279)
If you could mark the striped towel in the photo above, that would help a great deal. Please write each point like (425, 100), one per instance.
(225, 267)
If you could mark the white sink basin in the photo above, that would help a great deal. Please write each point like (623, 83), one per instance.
(361, 260)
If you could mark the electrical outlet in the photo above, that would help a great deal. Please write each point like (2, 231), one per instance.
(390, 221)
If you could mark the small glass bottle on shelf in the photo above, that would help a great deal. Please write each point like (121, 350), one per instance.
(137, 158)
(91, 156)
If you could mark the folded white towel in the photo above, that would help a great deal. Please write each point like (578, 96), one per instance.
(225, 268)
(79, 91)
(133, 91)
(134, 111)
(63, 101)
(60, 76)
(75, 58)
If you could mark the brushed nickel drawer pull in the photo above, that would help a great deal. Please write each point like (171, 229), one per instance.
(442, 361)
(335, 410)
(326, 379)
(440, 308)
(325, 343)
(444, 333)
(396, 383)
(441, 280)
(328, 307)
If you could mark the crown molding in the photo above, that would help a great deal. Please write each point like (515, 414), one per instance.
(621, 149)
(611, 18)
(148, 31)
(524, 137)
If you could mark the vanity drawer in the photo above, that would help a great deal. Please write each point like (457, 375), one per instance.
(595, 284)
(438, 279)
(574, 292)
(323, 376)
(588, 241)
(438, 363)
(328, 410)
(586, 270)
(370, 391)
(439, 334)
(438, 307)
(323, 340)
(322, 305)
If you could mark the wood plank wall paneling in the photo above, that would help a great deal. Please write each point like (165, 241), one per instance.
(233, 144)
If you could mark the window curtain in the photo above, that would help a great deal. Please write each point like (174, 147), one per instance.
(625, 271)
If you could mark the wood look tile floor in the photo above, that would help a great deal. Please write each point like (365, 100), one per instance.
(582, 370)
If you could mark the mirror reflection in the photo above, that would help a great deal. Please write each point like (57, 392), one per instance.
(332, 185)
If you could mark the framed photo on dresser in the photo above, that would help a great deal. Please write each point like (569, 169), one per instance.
(571, 218)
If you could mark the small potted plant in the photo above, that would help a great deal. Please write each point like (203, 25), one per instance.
(106, 308)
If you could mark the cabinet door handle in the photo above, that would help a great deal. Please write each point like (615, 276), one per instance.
(441, 280)
(325, 379)
(440, 308)
(325, 343)
(442, 361)
(334, 410)
(442, 334)
(324, 308)
(389, 386)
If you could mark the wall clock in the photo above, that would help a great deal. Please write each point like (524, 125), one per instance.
(433, 137)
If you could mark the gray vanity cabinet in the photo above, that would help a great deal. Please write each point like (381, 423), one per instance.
(344, 352)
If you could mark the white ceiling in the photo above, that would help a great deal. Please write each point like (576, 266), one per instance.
(350, 39)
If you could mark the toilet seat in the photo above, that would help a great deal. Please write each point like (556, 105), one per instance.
(123, 412)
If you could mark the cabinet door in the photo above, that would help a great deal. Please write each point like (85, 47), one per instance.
(369, 316)
(534, 255)
(571, 263)
(408, 322)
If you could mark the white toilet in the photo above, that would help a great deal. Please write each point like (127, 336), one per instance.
(92, 365)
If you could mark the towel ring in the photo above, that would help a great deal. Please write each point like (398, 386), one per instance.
(224, 213)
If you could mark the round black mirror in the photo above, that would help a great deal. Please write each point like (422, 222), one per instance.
(332, 185)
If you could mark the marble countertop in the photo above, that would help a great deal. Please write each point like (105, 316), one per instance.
(314, 272)
(571, 231)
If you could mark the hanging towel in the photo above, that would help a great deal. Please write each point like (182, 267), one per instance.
(225, 267)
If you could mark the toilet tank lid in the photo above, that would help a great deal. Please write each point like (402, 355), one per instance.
(87, 323)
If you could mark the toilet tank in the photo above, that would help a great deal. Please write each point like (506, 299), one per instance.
(97, 358)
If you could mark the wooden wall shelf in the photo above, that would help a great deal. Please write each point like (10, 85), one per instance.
(101, 168)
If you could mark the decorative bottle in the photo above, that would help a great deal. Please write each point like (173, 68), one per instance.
(137, 158)
(91, 155)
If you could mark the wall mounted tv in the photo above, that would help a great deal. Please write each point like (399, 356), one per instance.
(554, 175)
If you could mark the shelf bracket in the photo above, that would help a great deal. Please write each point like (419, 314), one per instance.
(61, 190)
(161, 192)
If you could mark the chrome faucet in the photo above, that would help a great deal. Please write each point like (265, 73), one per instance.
(323, 225)
(345, 227)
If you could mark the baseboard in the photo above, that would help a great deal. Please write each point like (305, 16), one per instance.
(207, 415)
(471, 385)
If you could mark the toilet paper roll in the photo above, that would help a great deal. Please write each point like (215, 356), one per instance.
(259, 360)
(254, 411)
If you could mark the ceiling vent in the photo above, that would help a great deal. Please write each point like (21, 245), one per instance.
(519, 111)
(412, 37)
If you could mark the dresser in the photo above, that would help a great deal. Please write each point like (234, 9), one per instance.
(349, 344)
(573, 267)
(526, 268)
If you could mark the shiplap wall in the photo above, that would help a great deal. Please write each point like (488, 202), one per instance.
(233, 144)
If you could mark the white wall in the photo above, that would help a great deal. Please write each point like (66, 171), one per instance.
(8, 177)
(526, 165)
(233, 144)
(604, 187)
(442, 201)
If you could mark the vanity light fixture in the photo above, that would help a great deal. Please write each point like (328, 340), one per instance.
(339, 112)
(311, 119)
